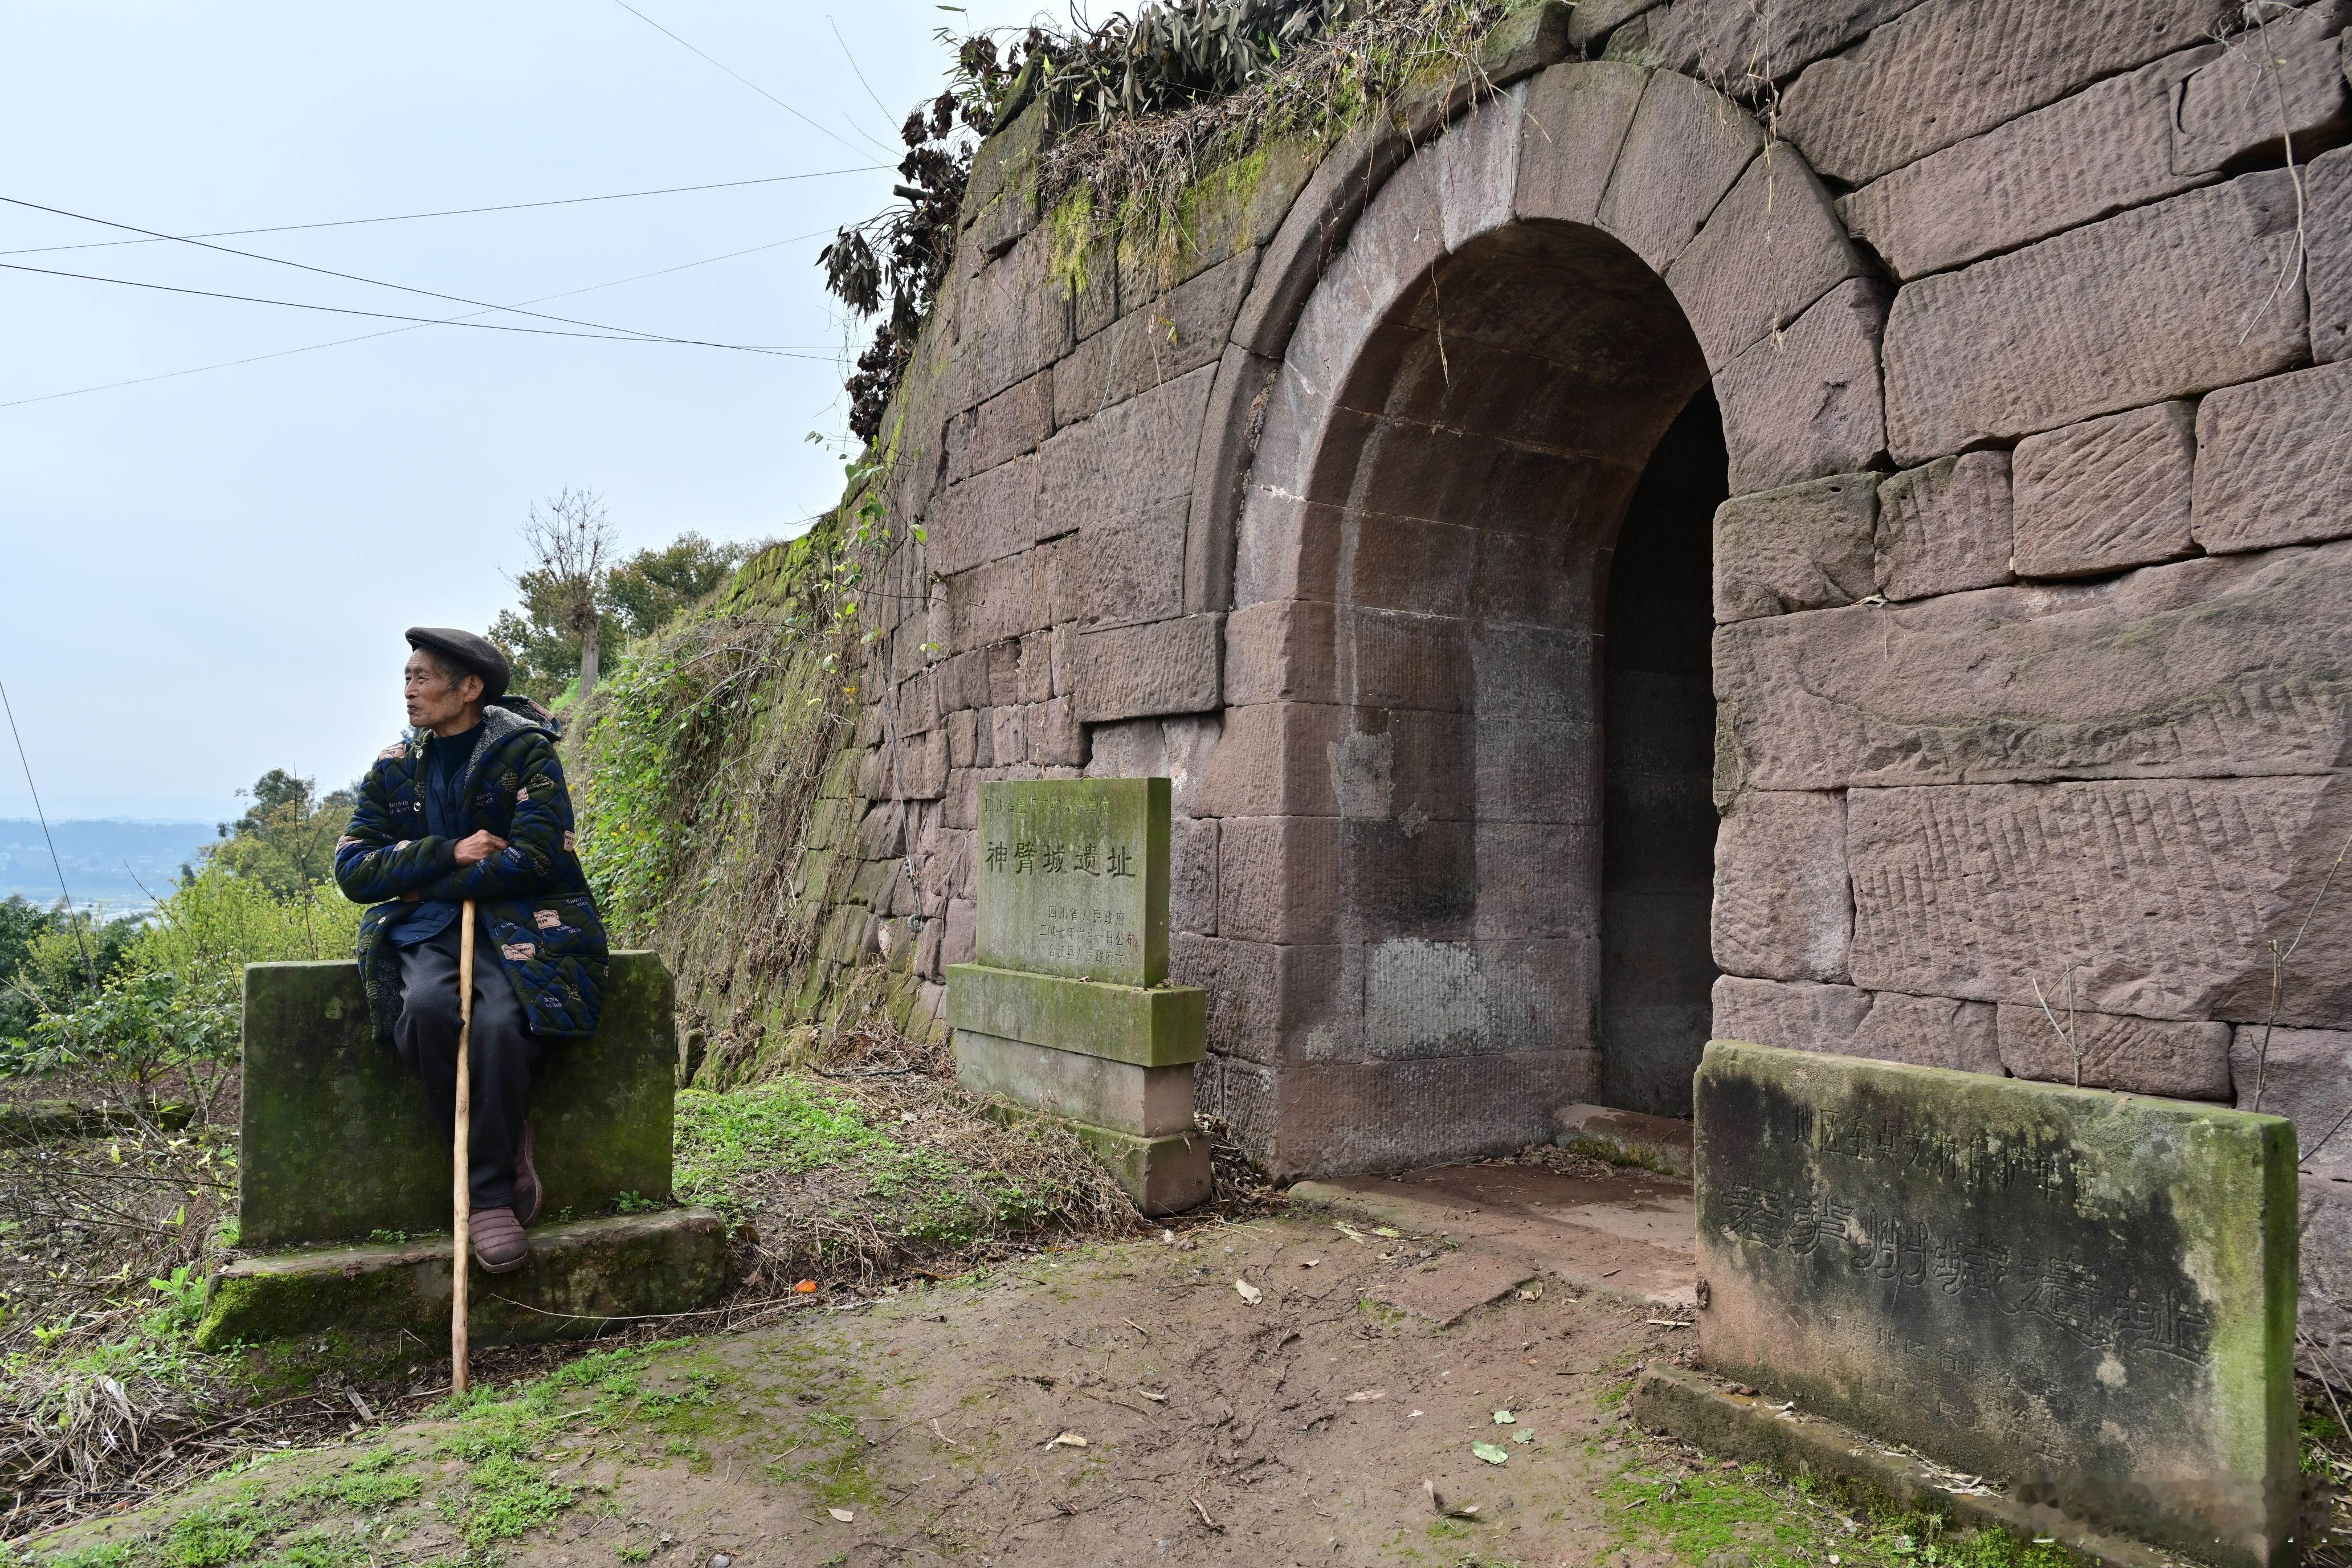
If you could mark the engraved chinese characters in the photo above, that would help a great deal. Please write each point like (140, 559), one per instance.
(2087, 1295)
(1064, 871)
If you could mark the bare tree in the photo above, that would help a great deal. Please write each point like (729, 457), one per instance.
(570, 538)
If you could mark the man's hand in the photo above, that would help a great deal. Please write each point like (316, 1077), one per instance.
(480, 847)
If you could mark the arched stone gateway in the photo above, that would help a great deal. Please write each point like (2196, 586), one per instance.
(1471, 575)
(1388, 518)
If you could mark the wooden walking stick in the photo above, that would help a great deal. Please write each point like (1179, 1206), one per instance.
(461, 1192)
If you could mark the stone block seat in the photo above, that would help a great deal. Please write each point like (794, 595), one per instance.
(343, 1209)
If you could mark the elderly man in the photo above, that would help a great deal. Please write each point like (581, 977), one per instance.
(472, 805)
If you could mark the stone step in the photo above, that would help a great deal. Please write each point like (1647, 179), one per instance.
(582, 1277)
(1657, 1143)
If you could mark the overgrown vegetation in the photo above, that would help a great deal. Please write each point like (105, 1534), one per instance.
(1143, 108)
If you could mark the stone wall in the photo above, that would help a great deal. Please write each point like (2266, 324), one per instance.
(2033, 360)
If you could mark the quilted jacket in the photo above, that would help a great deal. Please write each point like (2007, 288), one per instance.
(533, 907)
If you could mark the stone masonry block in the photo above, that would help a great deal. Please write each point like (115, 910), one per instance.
(2220, 666)
(1951, 69)
(1577, 117)
(1745, 45)
(2158, 893)
(1807, 547)
(1273, 759)
(1770, 248)
(1278, 878)
(1809, 401)
(2136, 1056)
(1037, 666)
(1844, 1020)
(1176, 333)
(1261, 994)
(1152, 1026)
(1590, 22)
(335, 1140)
(1193, 875)
(1342, 1117)
(2155, 303)
(990, 604)
(1686, 147)
(1117, 463)
(2282, 80)
(1122, 570)
(2305, 1077)
(1282, 651)
(2327, 188)
(2325, 1317)
(1945, 527)
(2106, 494)
(1055, 737)
(2274, 461)
(1784, 910)
(2101, 150)
(1164, 666)
(1008, 735)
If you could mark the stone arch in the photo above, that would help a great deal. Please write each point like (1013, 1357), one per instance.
(1446, 385)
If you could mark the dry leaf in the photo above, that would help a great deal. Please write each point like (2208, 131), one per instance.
(1505, 1418)
(1390, 1231)
(843, 1514)
(1491, 1454)
(1366, 1395)
(1248, 1292)
(1155, 1398)
(1523, 1437)
(1350, 1232)
(1066, 1440)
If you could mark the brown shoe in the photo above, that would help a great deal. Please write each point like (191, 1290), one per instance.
(526, 1193)
(499, 1245)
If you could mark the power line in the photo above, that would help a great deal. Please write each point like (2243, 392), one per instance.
(330, 272)
(854, 69)
(746, 80)
(452, 211)
(88, 968)
(395, 331)
(391, 316)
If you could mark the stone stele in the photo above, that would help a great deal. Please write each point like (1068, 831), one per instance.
(2089, 1297)
(1068, 1011)
(336, 1143)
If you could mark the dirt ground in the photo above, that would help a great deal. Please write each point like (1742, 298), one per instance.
(1309, 1425)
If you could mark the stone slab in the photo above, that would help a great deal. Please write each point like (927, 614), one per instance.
(1163, 1026)
(2097, 152)
(1450, 1287)
(1659, 1143)
(583, 1280)
(2158, 303)
(2105, 494)
(2089, 1297)
(2159, 894)
(2326, 1313)
(1944, 72)
(1145, 1101)
(2305, 1077)
(1074, 877)
(1945, 527)
(2274, 461)
(1163, 1175)
(2205, 668)
(336, 1141)
(1847, 1021)
(1710, 1414)
(2184, 1060)
(1806, 547)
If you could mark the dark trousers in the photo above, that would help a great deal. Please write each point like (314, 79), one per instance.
(501, 1051)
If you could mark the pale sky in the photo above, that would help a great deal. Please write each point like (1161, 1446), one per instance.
(205, 576)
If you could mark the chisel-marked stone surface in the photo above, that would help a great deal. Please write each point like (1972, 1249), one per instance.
(1945, 527)
(2274, 461)
(1846, 1021)
(2105, 494)
(2088, 1297)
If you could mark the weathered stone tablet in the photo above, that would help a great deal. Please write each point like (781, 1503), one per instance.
(2087, 1296)
(1066, 871)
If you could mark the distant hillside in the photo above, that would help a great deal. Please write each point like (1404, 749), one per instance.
(105, 861)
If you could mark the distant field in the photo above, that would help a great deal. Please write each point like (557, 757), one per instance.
(105, 861)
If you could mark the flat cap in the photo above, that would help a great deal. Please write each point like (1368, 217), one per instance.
(477, 654)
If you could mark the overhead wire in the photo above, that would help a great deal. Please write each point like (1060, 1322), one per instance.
(395, 331)
(859, 74)
(600, 327)
(746, 81)
(449, 212)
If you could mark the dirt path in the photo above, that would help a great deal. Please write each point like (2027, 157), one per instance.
(1297, 1426)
